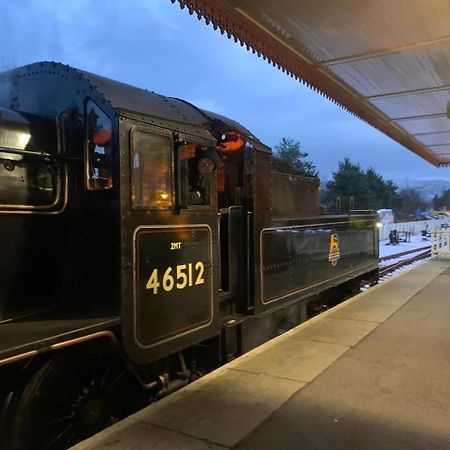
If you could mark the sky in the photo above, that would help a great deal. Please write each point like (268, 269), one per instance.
(155, 45)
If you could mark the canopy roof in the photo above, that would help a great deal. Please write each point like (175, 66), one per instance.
(386, 62)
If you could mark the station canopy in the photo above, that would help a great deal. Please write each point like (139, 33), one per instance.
(387, 62)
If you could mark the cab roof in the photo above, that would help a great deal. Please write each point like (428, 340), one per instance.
(46, 88)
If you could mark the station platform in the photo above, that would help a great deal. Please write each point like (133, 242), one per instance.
(371, 373)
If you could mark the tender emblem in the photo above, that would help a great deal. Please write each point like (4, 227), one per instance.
(335, 253)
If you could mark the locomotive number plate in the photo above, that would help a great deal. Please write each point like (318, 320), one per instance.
(184, 277)
(173, 281)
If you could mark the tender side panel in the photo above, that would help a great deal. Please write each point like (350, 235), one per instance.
(301, 259)
(294, 196)
(173, 282)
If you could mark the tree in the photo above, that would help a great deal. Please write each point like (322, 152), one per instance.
(363, 189)
(348, 181)
(380, 193)
(442, 201)
(289, 157)
(409, 201)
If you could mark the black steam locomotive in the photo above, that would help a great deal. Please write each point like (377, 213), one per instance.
(143, 242)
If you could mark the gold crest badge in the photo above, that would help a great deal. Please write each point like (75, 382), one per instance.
(335, 252)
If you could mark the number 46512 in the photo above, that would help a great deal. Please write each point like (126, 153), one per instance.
(182, 277)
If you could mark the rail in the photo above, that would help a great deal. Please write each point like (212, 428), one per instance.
(406, 252)
(425, 252)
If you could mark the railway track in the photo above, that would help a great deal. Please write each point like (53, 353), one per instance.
(418, 254)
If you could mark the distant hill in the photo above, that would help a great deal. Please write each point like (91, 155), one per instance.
(428, 188)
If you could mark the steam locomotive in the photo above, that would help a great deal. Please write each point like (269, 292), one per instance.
(144, 241)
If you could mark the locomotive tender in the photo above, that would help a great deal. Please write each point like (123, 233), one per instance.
(137, 228)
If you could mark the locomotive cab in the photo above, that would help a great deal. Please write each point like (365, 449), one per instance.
(30, 185)
(109, 212)
(28, 181)
(168, 232)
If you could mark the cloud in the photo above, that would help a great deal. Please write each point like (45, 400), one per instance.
(25, 37)
(156, 45)
(160, 12)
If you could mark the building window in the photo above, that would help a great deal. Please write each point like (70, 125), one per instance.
(151, 179)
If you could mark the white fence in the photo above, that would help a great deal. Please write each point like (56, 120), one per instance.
(440, 245)
(412, 227)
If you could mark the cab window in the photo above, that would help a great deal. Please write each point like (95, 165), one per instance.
(195, 172)
(26, 181)
(99, 163)
(151, 174)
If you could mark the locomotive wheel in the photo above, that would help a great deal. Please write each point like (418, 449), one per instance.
(70, 398)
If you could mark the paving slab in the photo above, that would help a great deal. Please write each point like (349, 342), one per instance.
(141, 436)
(238, 400)
(331, 330)
(401, 289)
(366, 311)
(292, 359)
(388, 392)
